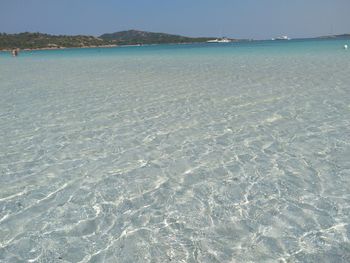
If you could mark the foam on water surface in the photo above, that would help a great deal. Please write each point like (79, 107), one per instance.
(191, 153)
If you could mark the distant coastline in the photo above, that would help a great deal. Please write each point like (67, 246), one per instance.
(342, 36)
(101, 46)
(39, 41)
(59, 48)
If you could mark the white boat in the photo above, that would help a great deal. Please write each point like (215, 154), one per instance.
(281, 38)
(221, 40)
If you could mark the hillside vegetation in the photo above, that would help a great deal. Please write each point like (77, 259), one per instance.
(39, 40)
(132, 37)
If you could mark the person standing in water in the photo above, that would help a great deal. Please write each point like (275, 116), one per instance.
(14, 52)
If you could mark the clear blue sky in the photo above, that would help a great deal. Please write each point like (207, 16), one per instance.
(233, 18)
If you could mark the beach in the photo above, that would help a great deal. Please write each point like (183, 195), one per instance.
(232, 152)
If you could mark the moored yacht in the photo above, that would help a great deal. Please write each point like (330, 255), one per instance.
(281, 38)
(221, 40)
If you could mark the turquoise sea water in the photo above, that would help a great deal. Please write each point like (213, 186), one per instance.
(176, 153)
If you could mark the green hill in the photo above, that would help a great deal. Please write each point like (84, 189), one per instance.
(132, 37)
(39, 40)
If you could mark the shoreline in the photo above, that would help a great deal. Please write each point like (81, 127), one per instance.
(103, 46)
(58, 48)
(109, 46)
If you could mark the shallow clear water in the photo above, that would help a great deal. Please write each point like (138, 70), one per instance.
(183, 153)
